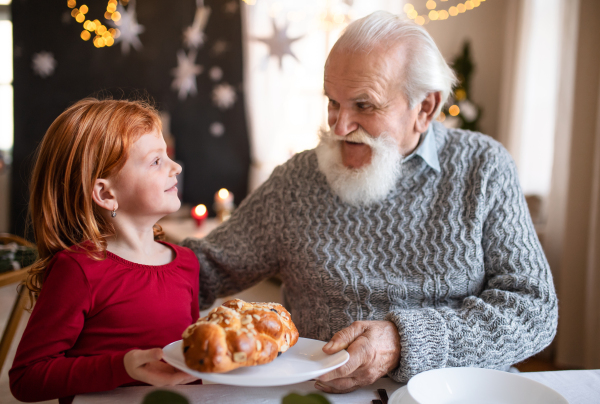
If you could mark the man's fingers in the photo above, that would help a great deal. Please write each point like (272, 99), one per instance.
(357, 359)
(343, 338)
(339, 386)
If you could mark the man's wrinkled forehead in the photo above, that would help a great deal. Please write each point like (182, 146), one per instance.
(378, 71)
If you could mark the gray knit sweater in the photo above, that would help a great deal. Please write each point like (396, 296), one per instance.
(450, 257)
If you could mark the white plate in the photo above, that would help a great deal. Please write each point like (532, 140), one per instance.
(304, 361)
(475, 385)
(401, 396)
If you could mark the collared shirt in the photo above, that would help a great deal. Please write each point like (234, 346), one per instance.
(427, 149)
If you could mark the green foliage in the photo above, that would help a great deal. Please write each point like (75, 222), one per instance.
(164, 397)
(13, 256)
(470, 113)
(312, 398)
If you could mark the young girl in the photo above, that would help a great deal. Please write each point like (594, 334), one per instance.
(109, 294)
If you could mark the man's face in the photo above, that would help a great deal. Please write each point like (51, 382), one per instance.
(364, 91)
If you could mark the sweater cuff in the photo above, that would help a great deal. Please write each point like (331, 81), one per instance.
(423, 342)
(119, 374)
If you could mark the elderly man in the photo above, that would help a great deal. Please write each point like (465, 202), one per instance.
(406, 243)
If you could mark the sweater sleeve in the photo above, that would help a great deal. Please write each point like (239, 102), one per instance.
(41, 369)
(242, 251)
(512, 318)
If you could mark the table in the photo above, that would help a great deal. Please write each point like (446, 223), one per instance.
(577, 386)
(178, 229)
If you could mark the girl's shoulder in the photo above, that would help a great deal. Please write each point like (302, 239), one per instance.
(80, 254)
(72, 261)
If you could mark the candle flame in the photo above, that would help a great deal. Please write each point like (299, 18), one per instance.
(200, 210)
(223, 193)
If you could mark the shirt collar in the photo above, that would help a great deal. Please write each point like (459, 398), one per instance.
(427, 149)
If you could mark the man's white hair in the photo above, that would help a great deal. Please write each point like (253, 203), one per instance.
(425, 70)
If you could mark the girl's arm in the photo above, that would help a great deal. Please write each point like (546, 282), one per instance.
(42, 370)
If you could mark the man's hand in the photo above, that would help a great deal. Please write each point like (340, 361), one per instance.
(145, 366)
(374, 348)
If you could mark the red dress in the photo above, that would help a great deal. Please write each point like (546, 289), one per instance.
(91, 313)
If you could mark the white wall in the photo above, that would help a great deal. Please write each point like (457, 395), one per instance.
(485, 28)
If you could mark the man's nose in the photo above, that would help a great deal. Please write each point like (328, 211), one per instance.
(344, 123)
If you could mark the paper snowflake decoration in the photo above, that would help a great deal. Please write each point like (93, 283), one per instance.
(231, 7)
(220, 47)
(217, 129)
(215, 73)
(279, 44)
(185, 74)
(43, 64)
(223, 96)
(129, 28)
(193, 36)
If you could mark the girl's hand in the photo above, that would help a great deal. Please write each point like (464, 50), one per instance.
(145, 366)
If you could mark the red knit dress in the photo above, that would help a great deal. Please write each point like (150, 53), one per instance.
(91, 313)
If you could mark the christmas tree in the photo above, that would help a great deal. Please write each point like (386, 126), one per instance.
(460, 111)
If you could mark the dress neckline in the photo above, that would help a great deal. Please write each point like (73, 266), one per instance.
(136, 265)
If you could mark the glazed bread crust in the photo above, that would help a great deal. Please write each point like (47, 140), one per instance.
(238, 334)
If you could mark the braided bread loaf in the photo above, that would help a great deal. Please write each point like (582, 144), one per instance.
(238, 334)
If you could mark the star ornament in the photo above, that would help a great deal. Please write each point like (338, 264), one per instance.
(43, 64)
(185, 74)
(224, 96)
(193, 36)
(129, 28)
(279, 43)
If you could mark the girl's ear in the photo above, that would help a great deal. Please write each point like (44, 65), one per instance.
(103, 195)
(428, 107)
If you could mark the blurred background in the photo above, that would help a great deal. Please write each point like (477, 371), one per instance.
(240, 88)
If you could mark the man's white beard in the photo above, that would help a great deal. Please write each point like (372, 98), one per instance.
(365, 185)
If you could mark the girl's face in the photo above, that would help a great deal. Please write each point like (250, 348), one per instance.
(146, 186)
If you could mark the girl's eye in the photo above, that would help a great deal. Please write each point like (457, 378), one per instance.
(155, 162)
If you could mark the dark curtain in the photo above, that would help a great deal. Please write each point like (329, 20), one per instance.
(210, 161)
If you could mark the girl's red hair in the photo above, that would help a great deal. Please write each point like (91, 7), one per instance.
(90, 140)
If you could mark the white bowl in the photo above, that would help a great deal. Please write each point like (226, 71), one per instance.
(476, 386)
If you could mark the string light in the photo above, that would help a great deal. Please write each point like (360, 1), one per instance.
(435, 14)
(454, 110)
(104, 37)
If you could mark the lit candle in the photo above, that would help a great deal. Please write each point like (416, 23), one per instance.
(199, 213)
(224, 200)
(223, 204)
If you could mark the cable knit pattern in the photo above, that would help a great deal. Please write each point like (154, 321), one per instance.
(451, 257)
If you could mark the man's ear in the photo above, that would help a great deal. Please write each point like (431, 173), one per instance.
(428, 107)
(103, 196)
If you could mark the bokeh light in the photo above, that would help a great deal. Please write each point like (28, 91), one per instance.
(223, 193)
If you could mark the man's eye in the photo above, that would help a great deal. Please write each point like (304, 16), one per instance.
(332, 103)
(363, 105)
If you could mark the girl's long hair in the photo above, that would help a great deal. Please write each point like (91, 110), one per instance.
(90, 140)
